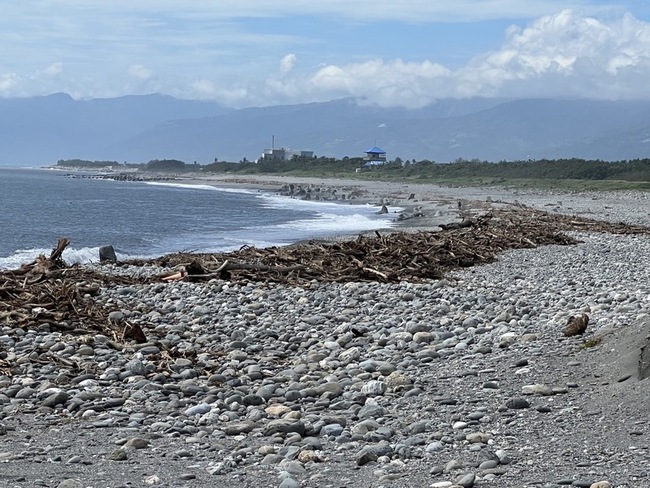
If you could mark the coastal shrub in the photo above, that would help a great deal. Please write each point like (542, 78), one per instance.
(165, 165)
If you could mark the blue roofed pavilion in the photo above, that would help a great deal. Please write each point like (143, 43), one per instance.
(375, 157)
(376, 151)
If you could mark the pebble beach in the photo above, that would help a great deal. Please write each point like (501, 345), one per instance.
(466, 381)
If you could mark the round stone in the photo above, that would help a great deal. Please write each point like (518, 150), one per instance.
(517, 403)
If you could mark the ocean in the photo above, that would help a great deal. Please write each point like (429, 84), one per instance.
(150, 219)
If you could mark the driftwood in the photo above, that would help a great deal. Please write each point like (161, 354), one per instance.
(457, 225)
(232, 266)
(42, 265)
(576, 325)
(50, 295)
(400, 256)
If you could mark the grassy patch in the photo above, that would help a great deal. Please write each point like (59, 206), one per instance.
(468, 181)
(593, 342)
(559, 175)
(566, 185)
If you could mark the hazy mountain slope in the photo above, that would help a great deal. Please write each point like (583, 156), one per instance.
(42, 130)
(520, 129)
(534, 129)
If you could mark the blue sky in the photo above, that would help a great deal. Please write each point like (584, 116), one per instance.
(265, 52)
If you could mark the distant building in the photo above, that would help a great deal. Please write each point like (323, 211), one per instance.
(283, 154)
(374, 157)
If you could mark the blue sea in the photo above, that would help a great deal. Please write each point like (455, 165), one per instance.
(150, 219)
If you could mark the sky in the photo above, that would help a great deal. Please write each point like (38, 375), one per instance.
(406, 53)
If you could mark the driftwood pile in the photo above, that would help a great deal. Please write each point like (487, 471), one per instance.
(399, 256)
(50, 295)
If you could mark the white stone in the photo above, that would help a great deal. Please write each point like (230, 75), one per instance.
(538, 389)
(374, 388)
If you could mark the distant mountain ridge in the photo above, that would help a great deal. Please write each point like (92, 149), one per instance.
(41, 130)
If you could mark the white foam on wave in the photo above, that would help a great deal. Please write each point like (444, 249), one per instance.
(320, 225)
(70, 256)
(337, 217)
(282, 201)
(339, 207)
(337, 224)
(321, 219)
(334, 218)
(274, 200)
(193, 186)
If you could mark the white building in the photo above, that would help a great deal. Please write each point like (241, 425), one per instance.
(283, 154)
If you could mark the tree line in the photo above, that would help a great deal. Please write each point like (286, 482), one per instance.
(544, 169)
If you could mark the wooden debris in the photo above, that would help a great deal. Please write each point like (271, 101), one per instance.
(42, 265)
(400, 256)
(133, 332)
(51, 295)
(175, 276)
(457, 225)
(576, 325)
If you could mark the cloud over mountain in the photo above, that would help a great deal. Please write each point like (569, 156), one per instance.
(565, 55)
(247, 53)
(42, 130)
(570, 55)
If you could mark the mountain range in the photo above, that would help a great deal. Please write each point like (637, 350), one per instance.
(38, 131)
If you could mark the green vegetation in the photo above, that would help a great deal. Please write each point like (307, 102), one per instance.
(593, 342)
(559, 169)
(566, 174)
(165, 166)
(155, 165)
(298, 166)
(83, 164)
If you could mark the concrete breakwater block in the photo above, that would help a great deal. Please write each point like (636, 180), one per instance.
(107, 254)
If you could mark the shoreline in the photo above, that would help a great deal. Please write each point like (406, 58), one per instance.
(465, 381)
(429, 205)
(443, 204)
(438, 203)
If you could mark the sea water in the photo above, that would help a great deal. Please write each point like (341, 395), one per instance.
(150, 219)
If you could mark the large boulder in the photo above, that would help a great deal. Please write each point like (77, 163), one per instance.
(107, 254)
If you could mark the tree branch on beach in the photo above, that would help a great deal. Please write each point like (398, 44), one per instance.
(42, 265)
(401, 256)
(49, 294)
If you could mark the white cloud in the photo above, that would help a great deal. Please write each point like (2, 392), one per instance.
(565, 54)
(416, 11)
(287, 63)
(140, 72)
(384, 83)
(568, 55)
(8, 81)
(200, 51)
(54, 69)
(208, 90)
